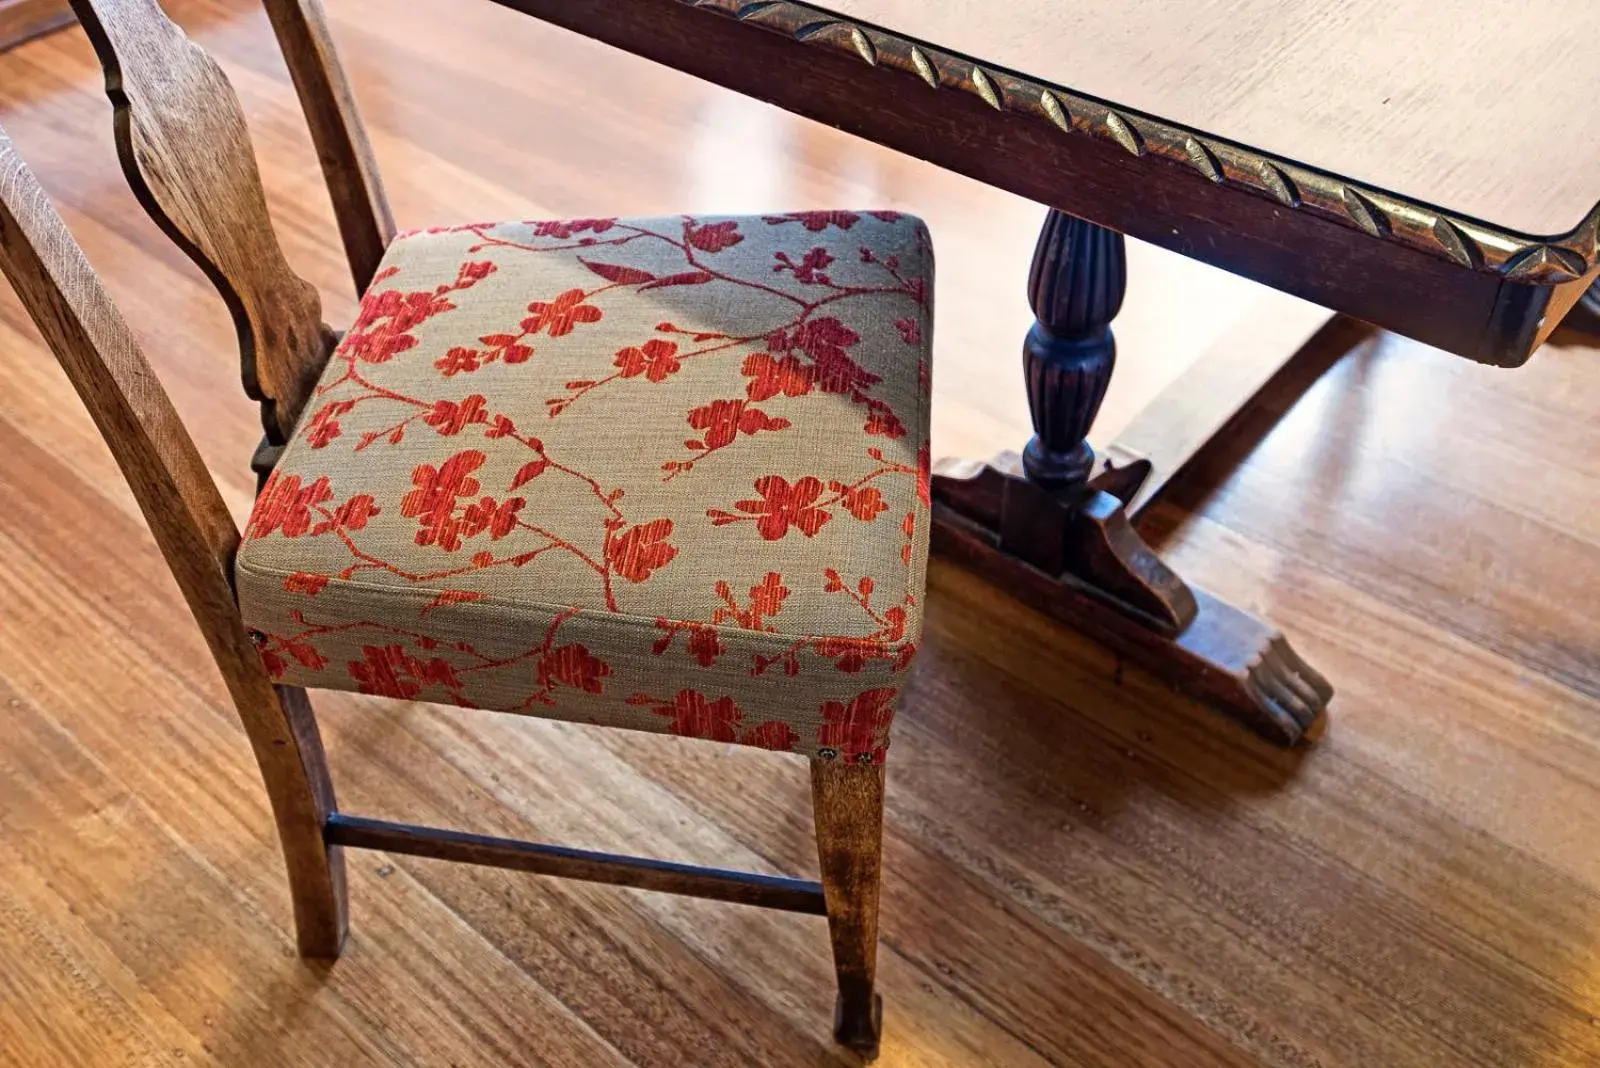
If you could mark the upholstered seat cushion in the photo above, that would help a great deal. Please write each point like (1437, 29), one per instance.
(665, 473)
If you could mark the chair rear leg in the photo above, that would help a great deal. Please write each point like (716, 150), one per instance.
(288, 749)
(848, 804)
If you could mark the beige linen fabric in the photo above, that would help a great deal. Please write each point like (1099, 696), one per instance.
(668, 474)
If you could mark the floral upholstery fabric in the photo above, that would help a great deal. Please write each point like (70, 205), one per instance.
(667, 474)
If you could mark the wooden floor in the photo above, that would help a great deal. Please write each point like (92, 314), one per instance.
(1083, 869)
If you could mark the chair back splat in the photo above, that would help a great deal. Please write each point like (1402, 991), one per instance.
(186, 152)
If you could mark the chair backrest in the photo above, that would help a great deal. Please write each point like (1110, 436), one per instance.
(83, 328)
(186, 151)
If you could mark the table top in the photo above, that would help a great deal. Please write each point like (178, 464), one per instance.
(1382, 158)
(1489, 109)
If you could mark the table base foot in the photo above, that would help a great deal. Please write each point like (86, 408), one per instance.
(1077, 559)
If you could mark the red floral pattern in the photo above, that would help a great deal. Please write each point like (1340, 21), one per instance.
(858, 730)
(564, 467)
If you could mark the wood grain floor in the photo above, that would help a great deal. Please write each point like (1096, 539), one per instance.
(1083, 869)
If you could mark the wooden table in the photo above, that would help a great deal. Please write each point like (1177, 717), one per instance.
(1430, 168)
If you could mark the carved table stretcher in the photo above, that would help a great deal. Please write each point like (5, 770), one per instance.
(1396, 162)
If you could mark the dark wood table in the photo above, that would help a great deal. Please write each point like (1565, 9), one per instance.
(1428, 168)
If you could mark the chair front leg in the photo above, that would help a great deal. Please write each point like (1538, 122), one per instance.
(288, 748)
(848, 803)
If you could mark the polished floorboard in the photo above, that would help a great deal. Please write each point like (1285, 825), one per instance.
(1083, 868)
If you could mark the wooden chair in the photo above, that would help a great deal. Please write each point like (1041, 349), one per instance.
(538, 474)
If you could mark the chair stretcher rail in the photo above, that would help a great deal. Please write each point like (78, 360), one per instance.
(745, 888)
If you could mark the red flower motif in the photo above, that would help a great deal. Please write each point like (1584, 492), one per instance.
(770, 377)
(459, 360)
(712, 238)
(376, 305)
(506, 347)
(850, 655)
(863, 502)
(773, 734)
(720, 421)
(353, 514)
(305, 582)
(655, 359)
(766, 600)
(565, 228)
(894, 625)
(470, 274)
(702, 644)
(498, 518)
(859, 730)
(561, 315)
(724, 420)
(696, 716)
(810, 267)
(446, 598)
(285, 505)
(306, 653)
(383, 326)
(383, 673)
(275, 664)
(380, 344)
(882, 422)
(302, 651)
(825, 341)
(451, 417)
(324, 426)
(815, 221)
(910, 330)
(641, 551)
(434, 499)
(780, 507)
(390, 672)
(574, 666)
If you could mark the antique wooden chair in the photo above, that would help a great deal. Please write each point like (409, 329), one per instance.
(663, 474)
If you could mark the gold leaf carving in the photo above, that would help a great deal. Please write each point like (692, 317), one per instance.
(1456, 244)
(1202, 158)
(985, 88)
(1279, 185)
(1364, 213)
(1124, 134)
(1053, 109)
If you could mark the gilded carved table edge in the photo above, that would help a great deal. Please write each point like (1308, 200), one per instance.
(1468, 243)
